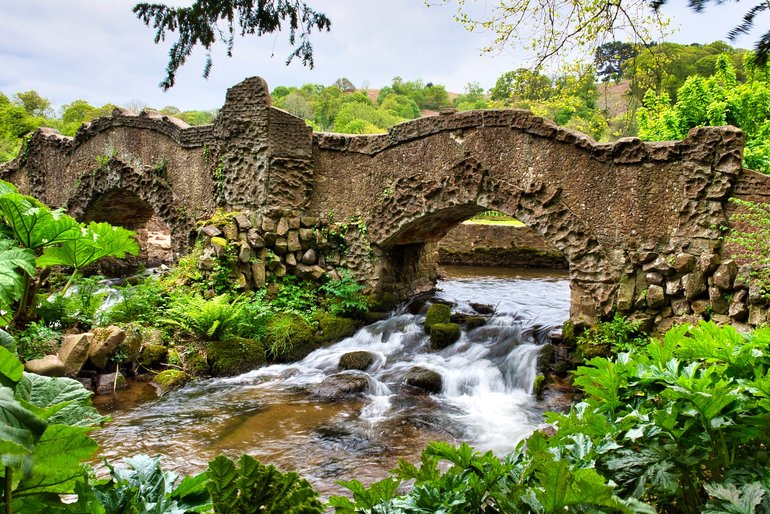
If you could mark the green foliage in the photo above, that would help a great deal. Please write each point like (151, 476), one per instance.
(143, 486)
(749, 239)
(144, 303)
(289, 336)
(719, 99)
(210, 319)
(618, 335)
(344, 296)
(297, 297)
(253, 487)
(37, 340)
(13, 259)
(79, 306)
(44, 429)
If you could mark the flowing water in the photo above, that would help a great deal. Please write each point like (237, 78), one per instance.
(486, 398)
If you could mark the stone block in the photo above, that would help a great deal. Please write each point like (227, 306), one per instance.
(674, 288)
(269, 225)
(211, 231)
(358, 360)
(680, 307)
(107, 383)
(292, 241)
(719, 304)
(291, 260)
(230, 231)
(699, 306)
(258, 273)
(244, 254)
(654, 278)
(243, 222)
(309, 257)
(656, 297)
(254, 239)
(283, 226)
(724, 276)
(694, 285)
(660, 265)
(280, 246)
(684, 263)
(313, 273)
(307, 222)
(48, 366)
(294, 223)
(757, 315)
(738, 310)
(74, 352)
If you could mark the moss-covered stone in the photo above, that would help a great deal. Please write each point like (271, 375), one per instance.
(289, 337)
(425, 379)
(443, 334)
(472, 322)
(358, 360)
(540, 382)
(152, 355)
(334, 328)
(196, 364)
(235, 355)
(437, 314)
(568, 334)
(169, 379)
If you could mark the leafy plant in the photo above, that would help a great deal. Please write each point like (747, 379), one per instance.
(253, 487)
(37, 340)
(296, 297)
(144, 303)
(345, 296)
(618, 335)
(208, 319)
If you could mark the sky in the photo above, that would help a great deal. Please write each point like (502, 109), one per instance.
(97, 50)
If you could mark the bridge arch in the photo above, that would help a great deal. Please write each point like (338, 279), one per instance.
(138, 199)
(409, 222)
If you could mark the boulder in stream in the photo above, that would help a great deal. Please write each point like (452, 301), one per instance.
(425, 379)
(359, 360)
(104, 344)
(443, 334)
(74, 352)
(169, 379)
(437, 313)
(342, 385)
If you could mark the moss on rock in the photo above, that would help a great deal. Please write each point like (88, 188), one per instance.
(334, 328)
(169, 379)
(443, 334)
(438, 313)
(196, 364)
(289, 337)
(152, 355)
(235, 355)
(359, 360)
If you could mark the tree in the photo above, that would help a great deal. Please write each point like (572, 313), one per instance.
(609, 59)
(33, 103)
(198, 24)
(345, 85)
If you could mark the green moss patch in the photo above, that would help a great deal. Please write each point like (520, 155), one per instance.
(235, 355)
(289, 337)
(437, 313)
(169, 379)
(334, 328)
(443, 334)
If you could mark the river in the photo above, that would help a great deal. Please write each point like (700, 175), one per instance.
(486, 398)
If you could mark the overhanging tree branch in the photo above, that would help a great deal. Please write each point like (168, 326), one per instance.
(199, 25)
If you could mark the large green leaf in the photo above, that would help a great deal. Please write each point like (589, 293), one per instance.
(13, 260)
(59, 400)
(97, 241)
(20, 428)
(56, 457)
(11, 368)
(33, 224)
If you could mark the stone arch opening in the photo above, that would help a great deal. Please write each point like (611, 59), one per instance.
(124, 208)
(138, 199)
(408, 224)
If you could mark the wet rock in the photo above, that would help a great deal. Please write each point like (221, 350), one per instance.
(472, 322)
(680, 307)
(48, 366)
(659, 265)
(341, 385)
(425, 379)
(482, 308)
(545, 357)
(74, 352)
(269, 225)
(168, 380)
(443, 335)
(674, 288)
(108, 383)
(104, 344)
(654, 278)
(358, 360)
(738, 309)
(719, 304)
(437, 313)
(684, 263)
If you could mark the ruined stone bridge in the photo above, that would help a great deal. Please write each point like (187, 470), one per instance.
(638, 223)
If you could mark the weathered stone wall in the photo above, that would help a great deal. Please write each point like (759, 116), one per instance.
(637, 223)
(498, 245)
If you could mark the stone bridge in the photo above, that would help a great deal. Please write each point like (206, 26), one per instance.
(638, 223)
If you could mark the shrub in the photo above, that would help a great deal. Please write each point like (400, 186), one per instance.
(296, 297)
(36, 341)
(345, 296)
(208, 319)
(610, 337)
(143, 303)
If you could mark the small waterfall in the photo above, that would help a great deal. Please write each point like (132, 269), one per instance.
(485, 397)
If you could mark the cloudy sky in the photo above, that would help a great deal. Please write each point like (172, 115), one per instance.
(98, 51)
